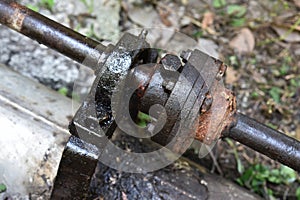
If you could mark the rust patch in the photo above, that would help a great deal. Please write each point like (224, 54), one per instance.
(16, 20)
(220, 115)
(222, 70)
(214, 121)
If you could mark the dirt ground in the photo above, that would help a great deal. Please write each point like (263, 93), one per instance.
(259, 40)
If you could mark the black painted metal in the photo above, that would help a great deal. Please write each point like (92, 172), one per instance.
(267, 141)
(95, 113)
(50, 33)
(76, 169)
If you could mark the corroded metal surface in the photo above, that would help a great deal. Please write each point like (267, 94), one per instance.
(94, 122)
(76, 169)
(182, 179)
(195, 99)
(197, 92)
(218, 117)
(265, 140)
(217, 111)
(94, 117)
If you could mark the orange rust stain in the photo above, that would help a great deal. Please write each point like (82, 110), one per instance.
(220, 115)
(16, 21)
(203, 126)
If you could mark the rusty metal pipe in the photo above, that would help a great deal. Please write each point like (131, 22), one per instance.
(78, 47)
(50, 33)
(265, 140)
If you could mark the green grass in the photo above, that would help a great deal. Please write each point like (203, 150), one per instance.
(235, 12)
(298, 193)
(275, 93)
(143, 119)
(258, 176)
(219, 3)
(48, 4)
(33, 7)
(2, 188)
(63, 91)
(240, 167)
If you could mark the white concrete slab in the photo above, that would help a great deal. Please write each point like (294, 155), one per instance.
(33, 121)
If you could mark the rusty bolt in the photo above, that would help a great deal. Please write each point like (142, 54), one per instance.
(171, 62)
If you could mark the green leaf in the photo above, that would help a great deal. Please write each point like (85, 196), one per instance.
(237, 22)
(298, 193)
(229, 141)
(270, 192)
(275, 176)
(295, 82)
(240, 182)
(143, 119)
(198, 34)
(247, 175)
(254, 95)
(49, 4)
(236, 10)
(275, 172)
(63, 91)
(274, 179)
(262, 174)
(2, 188)
(275, 93)
(271, 125)
(143, 116)
(288, 174)
(32, 7)
(275, 72)
(240, 166)
(233, 60)
(219, 3)
(284, 69)
(255, 183)
(257, 176)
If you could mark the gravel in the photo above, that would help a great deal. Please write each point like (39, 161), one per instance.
(45, 65)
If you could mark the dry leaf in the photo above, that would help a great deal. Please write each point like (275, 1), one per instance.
(143, 16)
(297, 3)
(298, 132)
(231, 75)
(244, 42)
(184, 2)
(258, 78)
(286, 35)
(164, 14)
(208, 19)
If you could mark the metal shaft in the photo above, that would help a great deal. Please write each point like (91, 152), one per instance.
(50, 33)
(267, 141)
(78, 47)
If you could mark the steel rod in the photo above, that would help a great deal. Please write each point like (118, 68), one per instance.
(78, 47)
(50, 33)
(265, 140)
